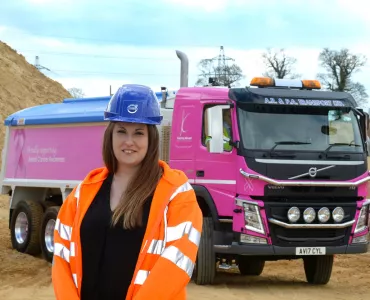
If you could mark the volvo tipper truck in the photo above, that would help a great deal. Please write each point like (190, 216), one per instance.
(279, 169)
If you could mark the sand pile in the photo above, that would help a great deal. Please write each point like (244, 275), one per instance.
(22, 85)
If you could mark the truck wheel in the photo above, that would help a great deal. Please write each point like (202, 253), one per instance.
(47, 232)
(47, 204)
(318, 268)
(250, 266)
(205, 267)
(25, 227)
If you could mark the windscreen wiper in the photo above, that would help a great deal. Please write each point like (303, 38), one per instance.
(325, 152)
(287, 143)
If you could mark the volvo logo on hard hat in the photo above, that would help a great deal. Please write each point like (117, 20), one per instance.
(132, 108)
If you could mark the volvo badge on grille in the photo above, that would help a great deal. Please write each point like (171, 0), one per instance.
(312, 172)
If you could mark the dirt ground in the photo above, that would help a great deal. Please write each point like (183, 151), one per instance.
(23, 277)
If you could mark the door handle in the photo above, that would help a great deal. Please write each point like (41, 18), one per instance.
(200, 173)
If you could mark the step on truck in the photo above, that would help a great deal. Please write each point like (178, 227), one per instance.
(279, 169)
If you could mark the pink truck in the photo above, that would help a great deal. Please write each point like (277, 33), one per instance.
(289, 182)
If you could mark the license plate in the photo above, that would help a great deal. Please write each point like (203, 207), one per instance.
(310, 251)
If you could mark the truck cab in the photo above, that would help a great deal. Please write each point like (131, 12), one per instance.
(292, 183)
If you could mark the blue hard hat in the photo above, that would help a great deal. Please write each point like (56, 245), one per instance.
(134, 103)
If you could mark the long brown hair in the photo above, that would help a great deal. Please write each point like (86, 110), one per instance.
(132, 201)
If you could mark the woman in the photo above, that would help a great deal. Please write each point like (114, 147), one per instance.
(131, 229)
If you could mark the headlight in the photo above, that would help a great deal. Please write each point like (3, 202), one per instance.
(362, 219)
(338, 214)
(361, 239)
(253, 218)
(309, 215)
(324, 214)
(294, 214)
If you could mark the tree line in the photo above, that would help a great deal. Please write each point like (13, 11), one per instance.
(339, 67)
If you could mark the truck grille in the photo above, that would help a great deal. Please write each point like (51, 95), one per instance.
(287, 237)
(308, 194)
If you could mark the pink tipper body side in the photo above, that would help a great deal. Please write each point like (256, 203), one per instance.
(54, 153)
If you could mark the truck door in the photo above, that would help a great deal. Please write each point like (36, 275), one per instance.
(217, 171)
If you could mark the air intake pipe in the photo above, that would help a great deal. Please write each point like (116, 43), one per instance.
(184, 73)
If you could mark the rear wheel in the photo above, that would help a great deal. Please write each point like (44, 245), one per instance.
(250, 266)
(25, 227)
(318, 269)
(47, 232)
(205, 268)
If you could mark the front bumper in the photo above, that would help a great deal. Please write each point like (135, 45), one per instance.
(271, 250)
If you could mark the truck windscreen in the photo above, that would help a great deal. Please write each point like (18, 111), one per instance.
(301, 128)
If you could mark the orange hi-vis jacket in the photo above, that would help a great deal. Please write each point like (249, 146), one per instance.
(169, 248)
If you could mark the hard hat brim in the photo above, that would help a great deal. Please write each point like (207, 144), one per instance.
(116, 118)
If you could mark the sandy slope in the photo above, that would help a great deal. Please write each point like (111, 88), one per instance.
(22, 86)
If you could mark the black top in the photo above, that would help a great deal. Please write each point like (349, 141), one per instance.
(109, 255)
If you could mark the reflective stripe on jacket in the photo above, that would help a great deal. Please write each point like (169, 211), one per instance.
(169, 249)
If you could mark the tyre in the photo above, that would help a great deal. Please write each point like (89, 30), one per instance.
(47, 204)
(318, 269)
(47, 232)
(205, 267)
(250, 266)
(25, 227)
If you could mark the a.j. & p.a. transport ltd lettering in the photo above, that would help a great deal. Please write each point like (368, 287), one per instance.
(305, 102)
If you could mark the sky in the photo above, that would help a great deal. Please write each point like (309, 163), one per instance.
(96, 44)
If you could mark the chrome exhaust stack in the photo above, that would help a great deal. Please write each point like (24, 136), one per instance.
(184, 73)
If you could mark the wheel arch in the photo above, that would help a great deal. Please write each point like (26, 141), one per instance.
(207, 204)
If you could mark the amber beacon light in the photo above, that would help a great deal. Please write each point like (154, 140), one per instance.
(287, 83)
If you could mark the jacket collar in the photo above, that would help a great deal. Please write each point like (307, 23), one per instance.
(172, 176)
